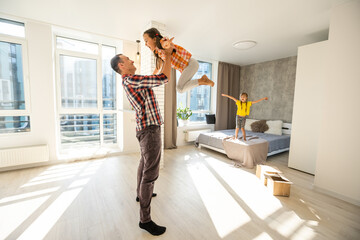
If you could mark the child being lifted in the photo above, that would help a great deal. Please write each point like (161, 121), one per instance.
(181, 60)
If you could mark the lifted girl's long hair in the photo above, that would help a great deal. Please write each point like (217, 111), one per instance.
(154, 33)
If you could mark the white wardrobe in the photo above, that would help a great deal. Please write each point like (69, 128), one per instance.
(307, 106)
(325, 128)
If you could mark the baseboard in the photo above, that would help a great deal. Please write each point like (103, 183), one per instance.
(61, 160)
(32, 165)
(337, 195)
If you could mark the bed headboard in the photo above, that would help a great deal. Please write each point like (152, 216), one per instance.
(286, 128)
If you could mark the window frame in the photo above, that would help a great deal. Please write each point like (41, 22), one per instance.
(100, 42)
(26, 79)
(211, 98)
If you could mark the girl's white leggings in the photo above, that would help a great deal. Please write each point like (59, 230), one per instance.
(185, 83)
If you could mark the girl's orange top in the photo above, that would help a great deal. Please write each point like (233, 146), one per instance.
(179, 58)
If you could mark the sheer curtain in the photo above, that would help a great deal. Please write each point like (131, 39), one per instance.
(228, 83)
(170, 123)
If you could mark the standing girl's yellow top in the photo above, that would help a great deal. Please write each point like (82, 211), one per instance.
(243, 109)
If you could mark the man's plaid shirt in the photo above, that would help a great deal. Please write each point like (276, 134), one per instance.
(139, 91)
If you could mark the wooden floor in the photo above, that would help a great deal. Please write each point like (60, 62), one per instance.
(200, 196)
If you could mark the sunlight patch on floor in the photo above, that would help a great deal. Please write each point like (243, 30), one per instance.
(287, 223)
(80, 182)
(20, 207)
(43, 224)
(22, 196)
(257, 197)
(312, 210)
(225, 212)
(304, 233)
(64, 167)
(43, 178)
(89, 170)
(263, 236)
(29, 184)
(17, 212)
(56, 171)
(64, 172)
(248, 187)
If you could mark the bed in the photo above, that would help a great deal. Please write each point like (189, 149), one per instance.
(276, 143)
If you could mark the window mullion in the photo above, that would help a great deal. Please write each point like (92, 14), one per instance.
(99, 93)
(188, 94)
(6, 113)
(76, 54)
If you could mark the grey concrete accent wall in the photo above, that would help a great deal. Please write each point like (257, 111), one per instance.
(275, 80)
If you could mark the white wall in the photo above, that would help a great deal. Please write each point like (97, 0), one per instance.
(41, 76)
(338, 161)
(42, 93)
(308, 97)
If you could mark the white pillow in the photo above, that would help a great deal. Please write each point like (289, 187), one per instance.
(248, 123)
(275, 127)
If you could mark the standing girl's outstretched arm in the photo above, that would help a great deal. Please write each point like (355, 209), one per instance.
(232, 98)
(265, 98)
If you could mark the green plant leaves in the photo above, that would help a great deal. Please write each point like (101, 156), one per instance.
(183, 113)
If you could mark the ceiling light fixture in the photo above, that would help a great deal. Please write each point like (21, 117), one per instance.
(243, 45)
(138, 50)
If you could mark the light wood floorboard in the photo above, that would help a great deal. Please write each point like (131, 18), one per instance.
(201, 195)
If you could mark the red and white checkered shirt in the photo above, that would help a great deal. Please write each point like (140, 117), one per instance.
(138, 89)
(179, 58)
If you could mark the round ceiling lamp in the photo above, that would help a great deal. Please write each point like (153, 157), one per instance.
(243, 45)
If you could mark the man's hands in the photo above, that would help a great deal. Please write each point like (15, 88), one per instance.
(167, 43)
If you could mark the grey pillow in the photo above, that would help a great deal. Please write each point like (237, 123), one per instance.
(259, 126)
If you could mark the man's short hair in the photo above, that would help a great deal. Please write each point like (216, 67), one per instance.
(115, 63)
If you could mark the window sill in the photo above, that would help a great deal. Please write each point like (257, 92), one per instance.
(15, 134)
(87, 152)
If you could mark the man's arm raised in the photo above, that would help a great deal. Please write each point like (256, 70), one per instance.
(167, 63)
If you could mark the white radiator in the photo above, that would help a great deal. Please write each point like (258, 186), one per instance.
(191, 135)
(24, 155)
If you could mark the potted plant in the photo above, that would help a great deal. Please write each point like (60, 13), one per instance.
(183, 115)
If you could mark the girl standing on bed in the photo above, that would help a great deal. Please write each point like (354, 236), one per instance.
(243, 109)
(180, 60)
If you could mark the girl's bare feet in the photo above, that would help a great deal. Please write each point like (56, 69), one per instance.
(204, 80)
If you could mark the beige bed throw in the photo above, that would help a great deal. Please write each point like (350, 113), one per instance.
(248, 153)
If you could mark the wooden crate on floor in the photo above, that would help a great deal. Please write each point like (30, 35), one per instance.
(262, 169)
(278, 184)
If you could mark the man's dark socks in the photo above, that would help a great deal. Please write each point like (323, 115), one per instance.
(153, 195)
(152, 228)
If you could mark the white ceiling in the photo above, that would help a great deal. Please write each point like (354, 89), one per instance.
(207, 28)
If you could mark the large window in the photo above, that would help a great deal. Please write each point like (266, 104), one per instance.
(14, 106)
(87, 92)
(78, 82)
(197, 99)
